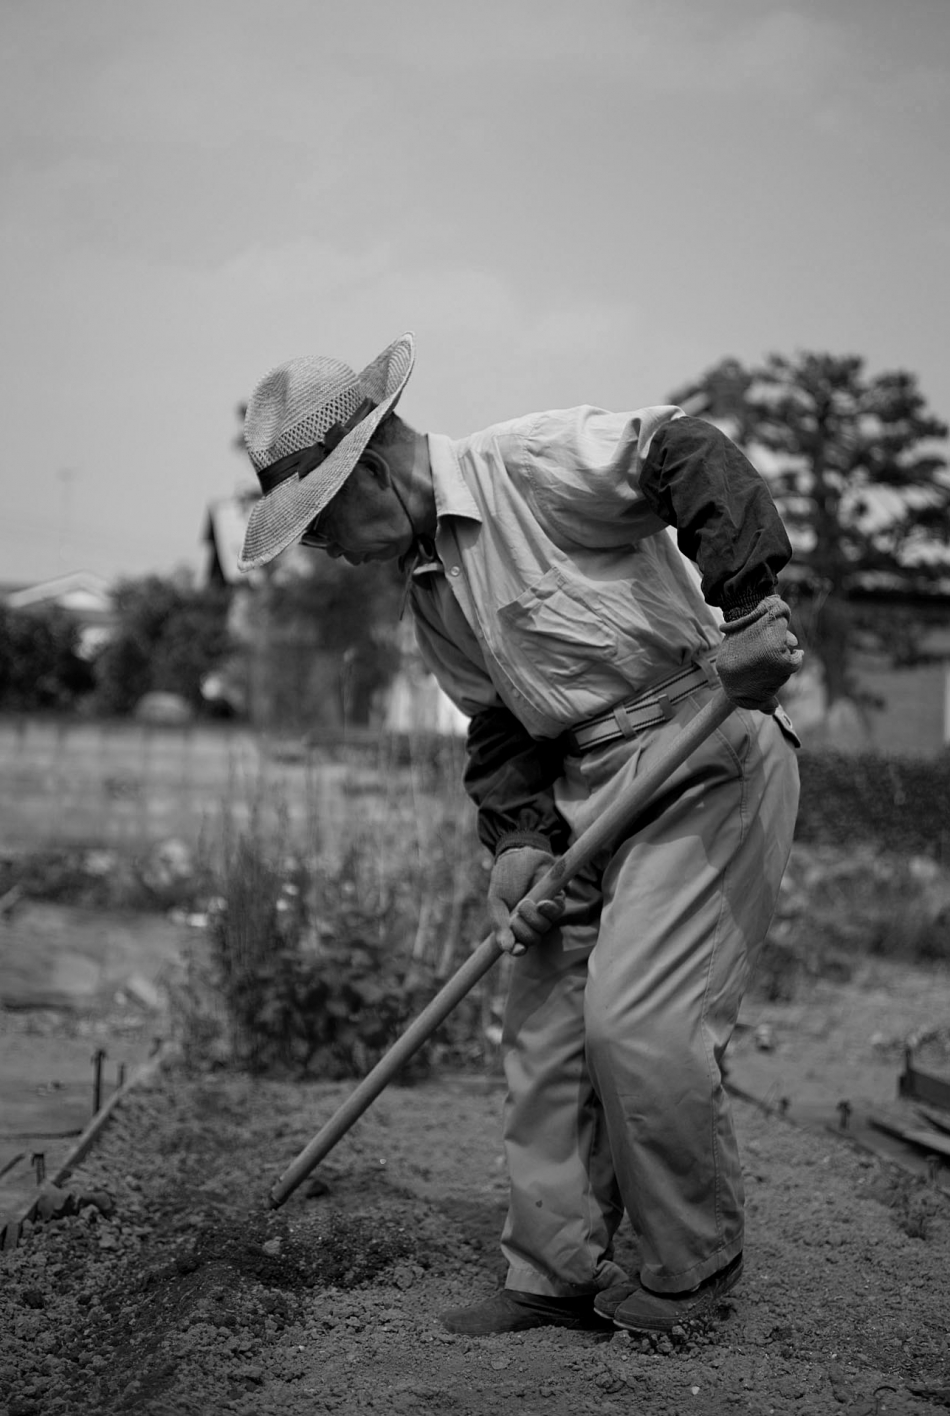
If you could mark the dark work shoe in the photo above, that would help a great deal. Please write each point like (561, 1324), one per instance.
(608, 1300)
(645, 1311)
(513, 1311)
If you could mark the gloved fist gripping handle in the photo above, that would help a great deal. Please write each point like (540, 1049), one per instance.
(758, 655)
(518, 923)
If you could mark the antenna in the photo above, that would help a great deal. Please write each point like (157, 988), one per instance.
(65, 475)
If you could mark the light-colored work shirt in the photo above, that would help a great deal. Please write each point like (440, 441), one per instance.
(556, 591)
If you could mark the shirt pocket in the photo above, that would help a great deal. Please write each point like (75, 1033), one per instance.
(555, 629)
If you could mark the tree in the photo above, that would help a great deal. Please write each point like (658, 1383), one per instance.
(169, 636)
(41, 663)
(328, 635)
(854, 466)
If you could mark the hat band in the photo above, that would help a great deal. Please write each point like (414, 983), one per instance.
(300, 464)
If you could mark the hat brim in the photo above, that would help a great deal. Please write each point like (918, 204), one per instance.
(279, 519)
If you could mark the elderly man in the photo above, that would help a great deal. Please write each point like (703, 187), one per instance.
(555, 608)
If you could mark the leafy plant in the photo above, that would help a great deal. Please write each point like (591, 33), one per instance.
(321, 970)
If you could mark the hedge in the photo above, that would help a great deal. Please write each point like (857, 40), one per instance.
(896, 804)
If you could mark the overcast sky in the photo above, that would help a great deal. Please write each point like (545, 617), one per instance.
(568, 201)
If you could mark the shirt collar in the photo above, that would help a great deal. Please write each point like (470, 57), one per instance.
(452, 496)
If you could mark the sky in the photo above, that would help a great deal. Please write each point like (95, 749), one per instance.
(567, 201)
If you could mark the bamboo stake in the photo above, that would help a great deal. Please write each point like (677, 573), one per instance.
(619, 815)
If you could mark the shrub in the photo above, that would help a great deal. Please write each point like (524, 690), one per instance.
(895, 804)
(840, 905)
(319, 970)
(162, 877)
(42, 666)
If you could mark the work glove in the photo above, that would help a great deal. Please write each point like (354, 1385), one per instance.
(513, 874)
(759, 653)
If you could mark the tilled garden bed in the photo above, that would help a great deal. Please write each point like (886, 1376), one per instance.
(179, 1290)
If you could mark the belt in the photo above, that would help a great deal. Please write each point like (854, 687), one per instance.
(654, 706)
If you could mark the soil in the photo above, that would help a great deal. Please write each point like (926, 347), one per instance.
(169, 1284)
(82, 1000)
(164, 1282)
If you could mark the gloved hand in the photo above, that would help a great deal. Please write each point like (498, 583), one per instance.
(759, 653)
(513, 874)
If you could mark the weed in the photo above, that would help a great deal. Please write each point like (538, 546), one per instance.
(318, 967)
(914, 1203)
(840, 905)
(164, 877)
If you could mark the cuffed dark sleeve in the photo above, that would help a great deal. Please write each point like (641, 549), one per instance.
(698, 480)
(510, 776)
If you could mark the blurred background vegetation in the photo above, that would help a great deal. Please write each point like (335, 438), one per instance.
(328, 858)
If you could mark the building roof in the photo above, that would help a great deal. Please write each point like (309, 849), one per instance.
(224, 534)
(84, 594)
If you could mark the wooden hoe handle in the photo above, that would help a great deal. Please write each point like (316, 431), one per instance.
(617, 817)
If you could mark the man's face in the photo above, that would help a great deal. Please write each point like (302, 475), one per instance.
(364, 521)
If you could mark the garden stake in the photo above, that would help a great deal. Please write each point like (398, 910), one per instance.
(618, 816)
(97, 1060)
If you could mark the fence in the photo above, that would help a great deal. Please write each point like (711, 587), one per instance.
(130, 785)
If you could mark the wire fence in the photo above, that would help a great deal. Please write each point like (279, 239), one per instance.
(127, 784)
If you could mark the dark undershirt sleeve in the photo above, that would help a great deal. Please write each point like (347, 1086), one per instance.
(510, 776)
(696, 479)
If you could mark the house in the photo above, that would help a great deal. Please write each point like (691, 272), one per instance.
(903, 712)
(899, 710)
(83, 596)
(223, 535)
(909, 713)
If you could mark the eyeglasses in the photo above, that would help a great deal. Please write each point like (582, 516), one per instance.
(313, 536)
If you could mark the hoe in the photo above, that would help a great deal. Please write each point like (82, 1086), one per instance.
(620, 816)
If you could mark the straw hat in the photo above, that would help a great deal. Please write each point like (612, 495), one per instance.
(307, 423)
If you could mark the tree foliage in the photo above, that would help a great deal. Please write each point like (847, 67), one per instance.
(318, 611)
(168, 637)
(41, 664)
(856, 469)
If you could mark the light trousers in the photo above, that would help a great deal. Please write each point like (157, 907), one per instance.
(616, 1024)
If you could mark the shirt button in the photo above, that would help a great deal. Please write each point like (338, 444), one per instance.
(454, 570)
